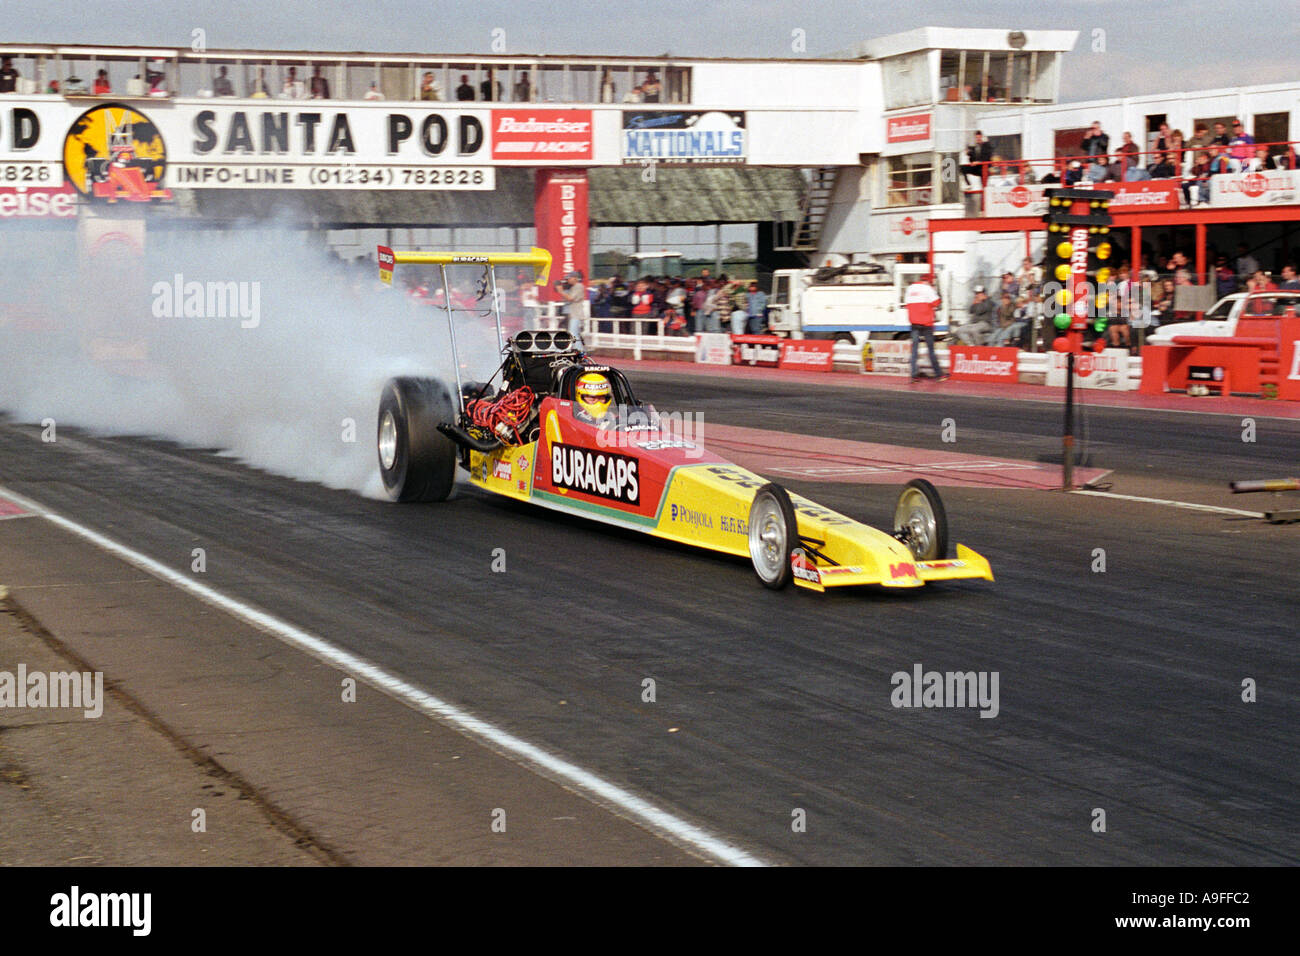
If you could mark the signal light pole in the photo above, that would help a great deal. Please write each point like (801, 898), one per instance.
(1080, 214)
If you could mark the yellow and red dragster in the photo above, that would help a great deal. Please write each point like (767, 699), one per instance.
(554, 428)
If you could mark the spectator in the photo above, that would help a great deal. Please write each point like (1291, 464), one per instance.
(8, 76)
(373, 93)
(464, 92)
(1196, 190)
(979, 155)
(155, 77)
(634, 95)
(101, 86)
(1259, 162)
(991, 90)
(1163, 306)
(650, 88)
(573, 294)
(1008, 329)
(429, 88)
(320, 87)
(608, 91)
(53, 87)
(1096, 143)
(1120, 310)
(1008, 285)
(1160, 142)
(491, 88)
(222, 86)
(1242, 145)
(1221, 162)
(620, 304)
(978, 322)
(1073, 174)
(1178, 155)
(1201, 137)
(1128, 152)
(675, 297)
(1030, 276)
(1289, 279)
(1100, 170)
(260, 89)
(1220, 137)
(293, 88)
(1264, 282)
(1162, 168)
(722, 304)
(756, 308)
(921, 301)
(1225, 280)
(524, 90)
(1246, 264)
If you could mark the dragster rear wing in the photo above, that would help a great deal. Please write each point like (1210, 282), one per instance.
(538, 259)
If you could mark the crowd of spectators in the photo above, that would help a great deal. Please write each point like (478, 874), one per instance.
(1017, 310)
(1194, 161)
(683, 306)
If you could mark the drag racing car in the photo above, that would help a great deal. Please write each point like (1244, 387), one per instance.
(557, 429)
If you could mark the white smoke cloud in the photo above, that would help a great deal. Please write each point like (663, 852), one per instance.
(81, 342)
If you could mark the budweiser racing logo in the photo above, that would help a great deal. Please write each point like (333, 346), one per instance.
(509, 124)
(603, 474)
(967, 365)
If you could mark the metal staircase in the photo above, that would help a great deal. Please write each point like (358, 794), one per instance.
(804, 232)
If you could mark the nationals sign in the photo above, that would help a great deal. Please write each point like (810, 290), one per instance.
(549, 136)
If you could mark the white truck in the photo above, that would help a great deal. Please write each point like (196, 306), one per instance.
(1221, 319)
(853, 302)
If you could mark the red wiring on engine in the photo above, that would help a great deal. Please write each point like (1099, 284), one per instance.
(504, 416)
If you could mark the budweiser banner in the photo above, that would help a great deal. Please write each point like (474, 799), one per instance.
(973, 363)
(1148, 195)
(1108, 369)
(907, 129)
(541, 136)
(813, 355)
(560, 210)
(1270, 188)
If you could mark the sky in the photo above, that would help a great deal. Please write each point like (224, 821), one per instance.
(1125, 47)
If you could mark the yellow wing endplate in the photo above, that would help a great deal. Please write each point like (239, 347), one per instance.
(538, 259)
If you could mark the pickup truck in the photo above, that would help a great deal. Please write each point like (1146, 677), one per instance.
(1222, 319)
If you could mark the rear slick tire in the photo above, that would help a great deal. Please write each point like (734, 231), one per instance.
(416, 461)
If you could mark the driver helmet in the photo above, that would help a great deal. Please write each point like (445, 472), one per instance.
(594, 394)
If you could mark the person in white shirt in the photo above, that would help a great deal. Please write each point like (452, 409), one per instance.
(293, 87)
(921, 301)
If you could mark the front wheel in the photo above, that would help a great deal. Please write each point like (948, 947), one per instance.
(920, 521)
(773, 534)
(416, 461)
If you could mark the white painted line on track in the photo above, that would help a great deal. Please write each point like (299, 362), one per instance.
(585, 782)
(1186, 505)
